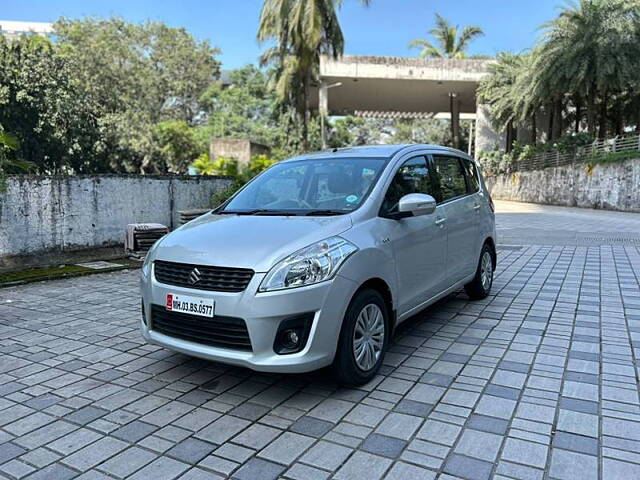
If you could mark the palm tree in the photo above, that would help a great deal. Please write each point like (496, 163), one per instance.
(590, 50)
(449, 43)
(302, 31)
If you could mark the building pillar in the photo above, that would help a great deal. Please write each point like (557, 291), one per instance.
(454, 108)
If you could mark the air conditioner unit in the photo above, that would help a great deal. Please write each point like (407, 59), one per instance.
(141, 236)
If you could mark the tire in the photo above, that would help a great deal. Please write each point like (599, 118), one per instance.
(480, 286)
(374, 337)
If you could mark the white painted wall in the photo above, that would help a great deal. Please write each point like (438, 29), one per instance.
(39, 214)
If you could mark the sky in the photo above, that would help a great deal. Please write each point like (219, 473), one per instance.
(383, 28)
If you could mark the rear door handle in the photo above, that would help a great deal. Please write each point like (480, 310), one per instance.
(440, 221)
(476, 207)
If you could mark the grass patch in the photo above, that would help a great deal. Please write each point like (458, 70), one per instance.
(50, 273)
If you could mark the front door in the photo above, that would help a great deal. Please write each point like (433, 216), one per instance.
(419, 243)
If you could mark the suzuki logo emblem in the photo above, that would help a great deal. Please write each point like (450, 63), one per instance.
(194, 276)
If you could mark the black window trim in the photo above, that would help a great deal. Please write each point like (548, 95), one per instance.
(436, 177)
(410, 156)
(466, 176)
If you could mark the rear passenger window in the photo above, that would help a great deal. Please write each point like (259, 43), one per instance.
(412, 177)
(451, 178)
(473, 184)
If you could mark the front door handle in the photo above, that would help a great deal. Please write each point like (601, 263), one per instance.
(476, 207)
(440, 222)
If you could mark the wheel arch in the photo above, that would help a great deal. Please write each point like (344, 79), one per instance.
(492, 244)
(382, 287)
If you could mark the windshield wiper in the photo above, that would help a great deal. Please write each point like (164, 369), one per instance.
(324, 213)
(259, 211)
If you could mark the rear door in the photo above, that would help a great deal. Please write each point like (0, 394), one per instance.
(461, 213)
(419, 243)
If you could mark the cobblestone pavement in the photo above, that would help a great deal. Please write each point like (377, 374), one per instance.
(537, 381)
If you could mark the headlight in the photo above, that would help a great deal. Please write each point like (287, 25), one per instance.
(313, 264)
(146, 265)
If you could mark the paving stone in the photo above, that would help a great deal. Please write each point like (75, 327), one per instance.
(366, 415)
(74, 441)
(286, 448)
(466, 467)
(578, 423)
(326, 455)
(616, 469)
(477, 444)
(492, 406)
(191, 450)
(127, 462)
(577, 405)
(304, 472)
(577, 443)
(383, 445)
(93, 454)
(487, 424)
(527, 453)
(86, 415)
(311, 426)
(439, 432)
(222, 429)
(411, 407)
(257, 436)
(360, 462)
(162, 467)
(16, 469)
(399, 425)
(55, 471)
(259, 468)
(572, 465)
(134, 431)
(405, 471)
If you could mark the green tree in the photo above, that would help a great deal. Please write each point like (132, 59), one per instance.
(302, 31)
(450, 42)
(591, 50)
(49, 112)
(243, 108)
(140, 75)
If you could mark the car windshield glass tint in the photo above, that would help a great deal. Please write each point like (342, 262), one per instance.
(309, 187)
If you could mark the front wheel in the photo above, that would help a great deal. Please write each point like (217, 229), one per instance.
(363, 339)
(480, 286)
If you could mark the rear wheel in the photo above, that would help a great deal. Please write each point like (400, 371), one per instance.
(480, 286)
(363, 339)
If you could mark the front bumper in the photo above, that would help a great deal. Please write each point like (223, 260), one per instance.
(262, 313)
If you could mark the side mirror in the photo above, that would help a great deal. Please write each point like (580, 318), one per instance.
(417, 204)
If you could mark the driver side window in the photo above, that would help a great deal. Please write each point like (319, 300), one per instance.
(412, 177)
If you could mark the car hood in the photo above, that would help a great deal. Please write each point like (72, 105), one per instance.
(245, 241)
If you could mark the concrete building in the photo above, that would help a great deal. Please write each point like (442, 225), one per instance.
(394, 87)
(13, 29)
(240, 149)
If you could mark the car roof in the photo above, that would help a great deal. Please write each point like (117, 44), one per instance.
(375, 151)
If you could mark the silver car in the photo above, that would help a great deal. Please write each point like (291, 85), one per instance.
(318, 259)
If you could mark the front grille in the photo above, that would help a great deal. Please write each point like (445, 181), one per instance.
(201, 277)
(223, 332)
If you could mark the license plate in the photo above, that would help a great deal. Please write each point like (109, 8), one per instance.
(202, 307)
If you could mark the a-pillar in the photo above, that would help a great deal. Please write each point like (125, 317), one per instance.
(323, 110)
(454, 108)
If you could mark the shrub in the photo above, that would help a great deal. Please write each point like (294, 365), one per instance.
(229, 167)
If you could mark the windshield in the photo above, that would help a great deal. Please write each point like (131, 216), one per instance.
(309, 187)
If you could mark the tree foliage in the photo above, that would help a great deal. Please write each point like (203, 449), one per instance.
(581, 74)
(49, 112)
(450, 42)
(140, 75)
(302, 31)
